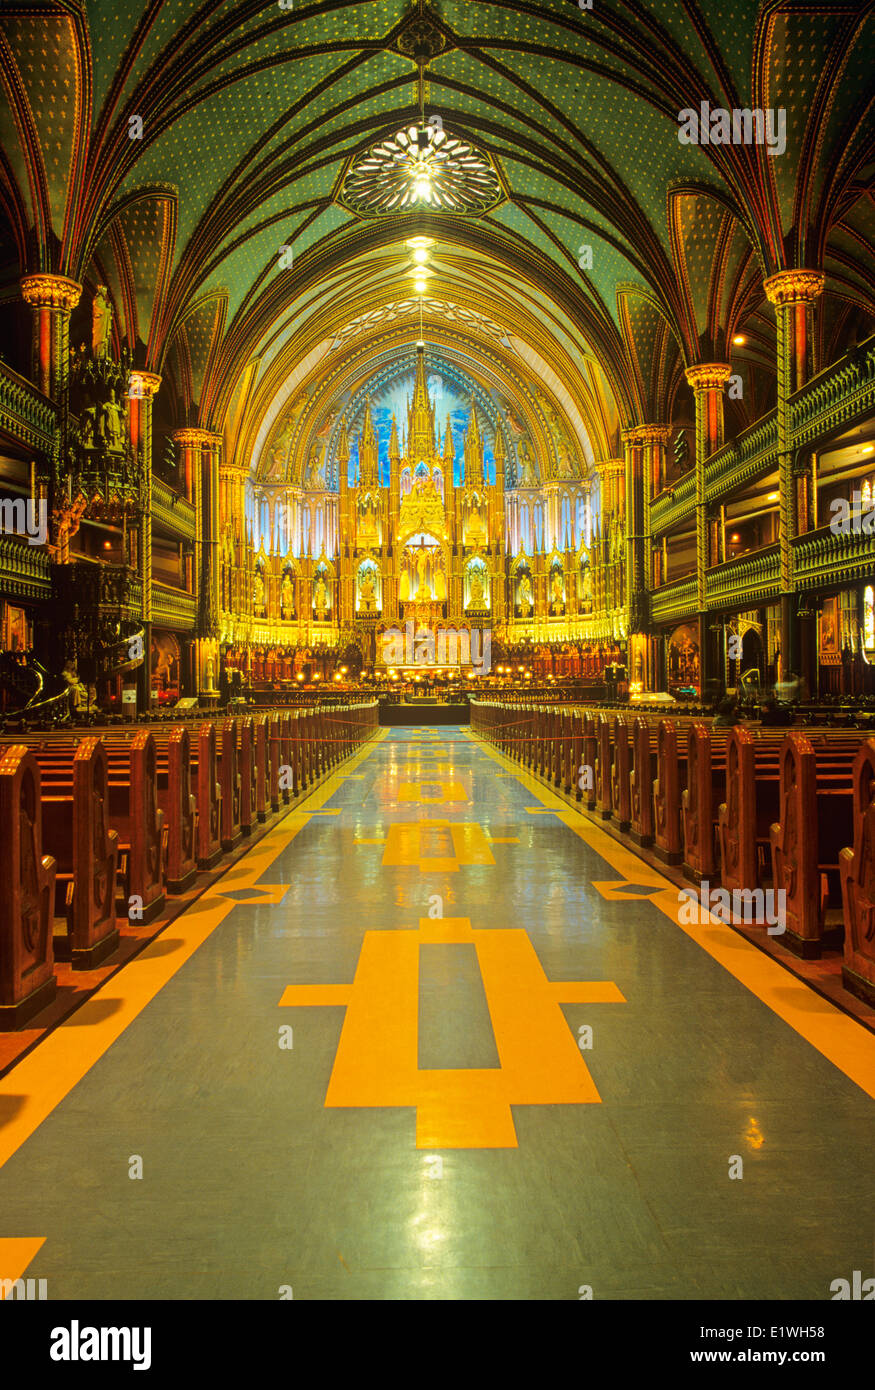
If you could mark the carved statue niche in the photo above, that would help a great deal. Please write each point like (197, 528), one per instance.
(101, 322)
(287, 597)
(111, 424)
(524, 594)
(367, 590)
(320, 596)
(477, 587)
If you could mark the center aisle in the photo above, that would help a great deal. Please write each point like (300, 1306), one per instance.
(437, 1038)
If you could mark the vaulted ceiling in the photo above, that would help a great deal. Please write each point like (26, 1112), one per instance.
(171, 149)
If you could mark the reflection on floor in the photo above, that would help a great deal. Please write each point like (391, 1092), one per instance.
(438, 1037)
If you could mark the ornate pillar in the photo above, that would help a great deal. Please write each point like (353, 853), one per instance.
(191, 443)
(612, 514)
(52, 299)
(635, 596)
(142, 391)
(794, 294)
(708, 381)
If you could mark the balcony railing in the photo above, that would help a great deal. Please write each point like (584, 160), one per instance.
(756, 576)
(25, 412)
(24, 569)
(835, 398)
(171, 510)
(674, 600)
(753, 453)
(173, 607)
(821, 556)
(672, 505)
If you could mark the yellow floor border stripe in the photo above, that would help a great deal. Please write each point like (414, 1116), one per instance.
(834, 1034)
(41, 1080)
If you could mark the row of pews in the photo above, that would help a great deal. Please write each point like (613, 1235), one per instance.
(108, 824)
(751, 810)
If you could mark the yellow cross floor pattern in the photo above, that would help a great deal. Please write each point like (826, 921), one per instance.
(376, 1059)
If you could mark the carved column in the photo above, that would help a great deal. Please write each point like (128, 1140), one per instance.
(143, 389)
(794, 294)
(612, 515)
(708, 381)
(52, 299)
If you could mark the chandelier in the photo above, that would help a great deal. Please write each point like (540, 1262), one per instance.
(421, 169)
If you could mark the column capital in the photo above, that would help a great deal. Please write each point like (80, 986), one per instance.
(794, 286)
(708, 376)
(191, 437)
(232, 467)
(608, 466)
(648, 434)
(50, 291)
(144, 385)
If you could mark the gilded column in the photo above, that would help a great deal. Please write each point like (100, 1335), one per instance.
(708, 381)
(52, 299)
(794, 294)
(143, 389)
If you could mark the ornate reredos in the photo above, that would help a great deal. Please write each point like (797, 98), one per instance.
(521, 422)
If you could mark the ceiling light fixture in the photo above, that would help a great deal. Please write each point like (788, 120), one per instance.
(772, 496)
(739, 340)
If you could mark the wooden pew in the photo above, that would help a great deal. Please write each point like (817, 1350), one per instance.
(229, 783)
(275, 749)
(671, 775)
(176, 799)
(209, 798)
(621, 791)
(248, 773)
(27, 893)
(590, 756)
(641, 778)
(816, 821)
(263, 806)
(751, 805)
(76, 831)
(137, 818)
(704, 792)
(857, 873)
(604, 765)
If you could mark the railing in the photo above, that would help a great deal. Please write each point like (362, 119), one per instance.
(24, 569)
(172, 510)
(821, 555)
(754, 452)
(674, 503)
(829, 402)
(172, 606)
(835, 397)
(749, 576)
(25, 412)
(677, 599)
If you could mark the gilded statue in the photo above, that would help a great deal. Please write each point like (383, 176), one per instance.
(287, 597)
(258, 593)
(527, 466)
(315, 472)
(477, 588)
(111, 424)
(320, 596)
(101, 322)
(525, 595)
(556, 592)
(368, 591)
(421, 565)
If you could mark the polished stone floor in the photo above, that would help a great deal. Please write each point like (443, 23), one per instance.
(438, 1037)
